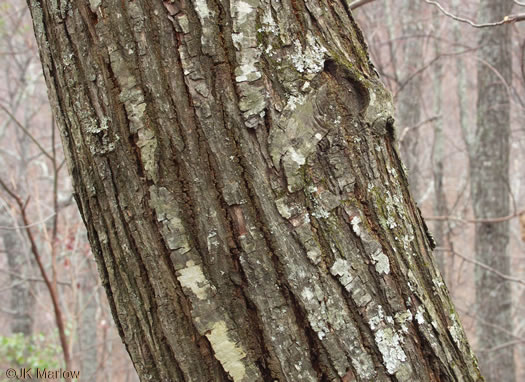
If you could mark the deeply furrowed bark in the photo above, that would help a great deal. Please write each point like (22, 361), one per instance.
(234, 163)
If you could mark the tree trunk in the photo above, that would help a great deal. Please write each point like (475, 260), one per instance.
(490, 187)
(235, 166)
(408, 103)
(87, 329)
(440, 227)
(22, 299)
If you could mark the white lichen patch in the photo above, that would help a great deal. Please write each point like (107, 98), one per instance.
(252, 93)
(389, 344)
(341, 268)
(407, 239)
(94, 4)
(201, 6)
(392, 171)
(314, 255)
(229, 354)
(212, 241)
(381, 262)
(309, 59)
(307, 294)
(391, 223)
(297, 157)
(377, 319)
(247, 72)
(242, 10)
(355, 225)
(420, 318)
(455, 330)
(320, 213)
(268, 23)
(295, 101)
(283, 208)
(193, 278)
(438, 283)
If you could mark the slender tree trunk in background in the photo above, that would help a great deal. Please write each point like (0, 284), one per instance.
(22, 300)
(87, 329)
(438, 155)
(462, 88)
(408, 104)
(489, 172)
(234, 164)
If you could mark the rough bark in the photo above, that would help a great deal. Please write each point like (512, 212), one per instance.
(235, 166)
(489, 167)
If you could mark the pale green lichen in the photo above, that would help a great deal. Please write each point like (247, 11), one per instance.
(309, 59)
(252, 94)
(355, 225)
(382, 264)
(389, 344)
(420, 318)
(341, 268)
(455, 330)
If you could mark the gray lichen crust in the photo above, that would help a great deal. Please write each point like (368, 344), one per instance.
(235, 166)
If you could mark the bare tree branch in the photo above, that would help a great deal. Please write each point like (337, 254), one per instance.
(501, 346)
(50, 284)
(484, 266)
(358, 3)
(487, 220)
(17, 227)
(506, 20)
(23, 128)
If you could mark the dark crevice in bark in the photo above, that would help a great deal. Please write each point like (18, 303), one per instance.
(117, 305)
(139, 262)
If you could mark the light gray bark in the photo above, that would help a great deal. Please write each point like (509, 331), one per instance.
(489, 171)
(235, 165)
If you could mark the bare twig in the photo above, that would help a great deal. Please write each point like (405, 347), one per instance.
(487, 220)
(502, 346)
(506, 20)
(17, 227)
(358, 3)
(422, 123)
(484, 266)
(35, 279)
(51, 287)
(26, 132)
